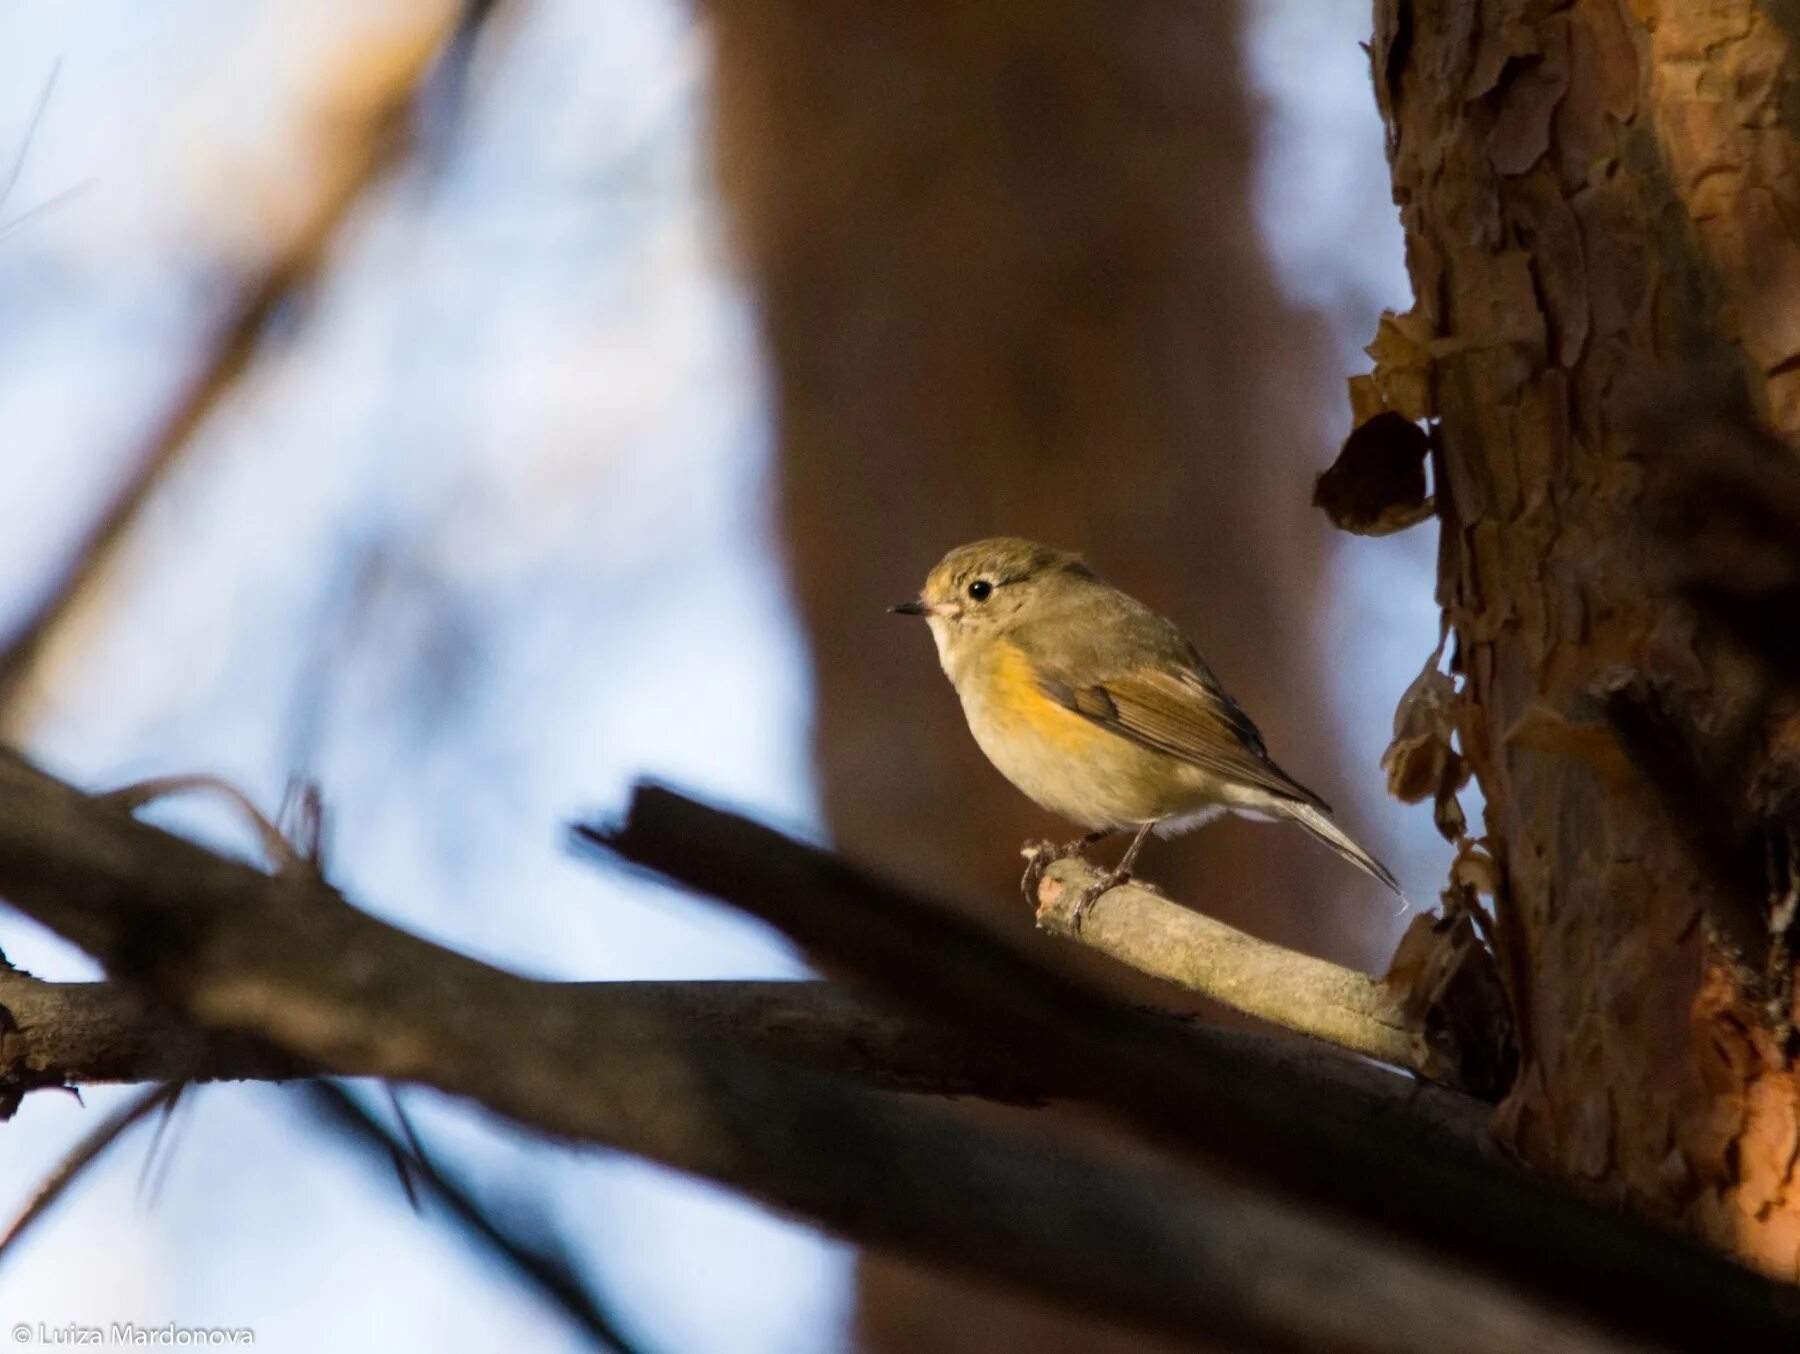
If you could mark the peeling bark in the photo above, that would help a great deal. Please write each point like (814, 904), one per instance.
(1600, 206)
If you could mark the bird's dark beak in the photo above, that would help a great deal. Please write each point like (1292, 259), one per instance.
(909, 609)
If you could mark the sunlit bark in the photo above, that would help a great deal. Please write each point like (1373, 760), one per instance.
(1600, 203)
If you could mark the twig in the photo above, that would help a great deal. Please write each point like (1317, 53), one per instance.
(1284, 987)
(150, 1177)
(10, 179)
(371, 148)
(410, 1136)
(540, 1267)
(89, 1150)
(281, 855)
(286, 958)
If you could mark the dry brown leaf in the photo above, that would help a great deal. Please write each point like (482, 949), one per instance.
(1377, 484)
(1365, 399)
(1403, 351)
(1447, 984)
(1474, 871)
(1447, 812)
(1421, 761)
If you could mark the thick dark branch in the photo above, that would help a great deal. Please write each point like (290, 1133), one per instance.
(286, 959)
(1203, 1100)
(64, 1034)
(67, 1034)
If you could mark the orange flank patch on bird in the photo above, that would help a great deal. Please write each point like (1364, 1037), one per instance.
(1016, 696)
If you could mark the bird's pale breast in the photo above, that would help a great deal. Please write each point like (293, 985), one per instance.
(1066, 762)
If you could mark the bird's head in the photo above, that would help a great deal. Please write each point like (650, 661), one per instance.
(979, 591)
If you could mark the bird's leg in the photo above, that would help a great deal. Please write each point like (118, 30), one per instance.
(1129, 859)
(1112, 878)
(1042, 854)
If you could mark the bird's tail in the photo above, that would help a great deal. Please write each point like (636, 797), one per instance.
(1315, 822)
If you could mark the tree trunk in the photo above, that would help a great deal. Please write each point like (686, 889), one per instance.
(1011, 284)
(1599, 202)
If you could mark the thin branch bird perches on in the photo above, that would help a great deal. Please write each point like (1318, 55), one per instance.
(1151, 933)
(1439, 1012)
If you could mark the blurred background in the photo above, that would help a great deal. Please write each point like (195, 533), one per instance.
(477, 448)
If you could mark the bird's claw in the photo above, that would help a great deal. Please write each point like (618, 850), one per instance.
(1111, 879)
(1040, 855)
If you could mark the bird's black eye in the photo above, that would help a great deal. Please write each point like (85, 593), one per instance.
(981, 589)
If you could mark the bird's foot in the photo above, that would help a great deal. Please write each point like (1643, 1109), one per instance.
(1111, 879)
(1041, 854)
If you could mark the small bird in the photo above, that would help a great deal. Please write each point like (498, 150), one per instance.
(1099, 709)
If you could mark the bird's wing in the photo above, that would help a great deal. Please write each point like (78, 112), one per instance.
(1184, 713)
